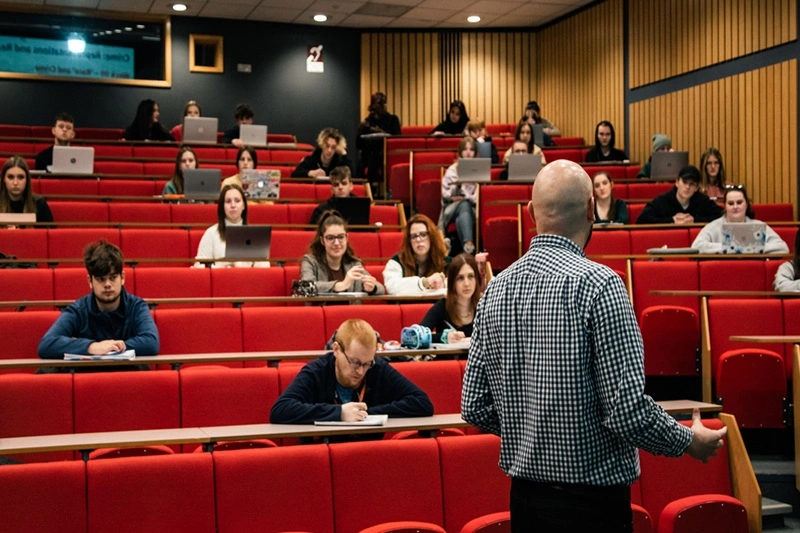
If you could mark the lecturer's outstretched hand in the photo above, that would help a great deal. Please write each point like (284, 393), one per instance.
(705, 441)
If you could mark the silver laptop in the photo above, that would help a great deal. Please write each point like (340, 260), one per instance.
(200, 130)
(201, 183)
(744, 237)
(253, 134)
(667, 165)
(524, 166)
(73, 160)
(474, 169)
(261, 183)
(538, 135)
(484, 149)
(248, 242)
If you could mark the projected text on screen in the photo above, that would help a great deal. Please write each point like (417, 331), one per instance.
(49, 57)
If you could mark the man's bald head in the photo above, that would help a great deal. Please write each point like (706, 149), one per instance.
(562, 201)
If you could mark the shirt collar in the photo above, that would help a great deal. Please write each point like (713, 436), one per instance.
(548, 240)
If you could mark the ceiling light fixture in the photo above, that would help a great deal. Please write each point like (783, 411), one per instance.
(179, 7)
(320, 18)
(473, 19)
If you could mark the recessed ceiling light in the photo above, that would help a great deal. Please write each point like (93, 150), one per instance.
(179, 7)
(118, 30)
(320, 18)
(140, 26)
(473, 19)
(128, 28)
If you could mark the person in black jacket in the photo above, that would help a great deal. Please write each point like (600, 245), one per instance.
(16, 191)
(455, 122)
(683, 204)
(604, 139)
(63, 133)
(331, 153)
(349, 383)
(371, 131)
(145, 125)
(451, 318)
(341, 187)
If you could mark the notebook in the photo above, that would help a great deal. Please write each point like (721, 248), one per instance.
(201, 183)
(200, 130)
(474, 169)
(261, 183)
(248, 242)
(72, 160)
(253, 134)
(538, 135)
(524, 166)
(354, 210)
(484, 149)
(667, 165)
(744, 237)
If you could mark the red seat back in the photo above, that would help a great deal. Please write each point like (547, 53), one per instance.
(664, 275)
(194, 213)
(275, 329)
(139, 212)
(21, 333)
(141, 243)
(65, 211)
(267, 214)
(385, 319)
(441, 381)
(26, 284)
(751, 384)
(609, 242)
(290, 244)
(24, 243)
(174, 282)
(72, 283)
(258, 282)
(68, 243)
(644, 239)
(733, 275)
(198, 331)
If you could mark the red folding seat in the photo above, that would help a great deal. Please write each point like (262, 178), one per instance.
(26, 284)
(390, 243)
(473, 492)
(385, 319)
(281, 138)
(404, 526)
(146, 243)
(174, 282)
(387, 215)
(36, 405)
(288, 156)
(617, 173)
(112, 150)
(148, 151)
(771, 267)
(634, 210)
(568, 141)
(366, 245)
(68, 243)
(644, 239)
(570, 154)
(159, 168)
(194, 214)
(428, 198)
(377, 472)
(128, 188)
(73, 283)
(705, 512)
(490, 523)
(299, 190)
(751, 384)
(210, 153)
(788, 234)
(500, 238)
(609, 242)
(416, 130)
(255, 282)
(44, 497)
(376, 270)
(644, 192)
(774, 212)
(267, 214)
(81, 211)
(119, 167)
(791, 326)
(399, 181)
(48, 185)
(441, 381)
(442, 143)
(300, 213)
(287, 373)
(21, 148)
(642, 521)
(291, 272)
(165, 493)
(278, 329)
(21, 333)
(140, 212)
(120, 401)
(113, 134)
(258, 490)
(13, 130)
(290, 245)
(733, 275)
(494, 202)
(199, 331)
(413, 313)
(664, 275)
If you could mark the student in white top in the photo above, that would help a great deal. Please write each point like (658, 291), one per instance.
(787, 278)
(420, 264)
(737, 209)
(231, 211)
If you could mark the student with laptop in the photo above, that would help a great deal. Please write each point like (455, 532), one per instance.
(458, 199)
(246, 159)
(720, 235)
(477, 130)
(16, 193)
(186, 159)
(191, 109)
(331, 152)
(683, 204)
(63, 133)
(524, 133)
(243, 114)
(145, 125)
(231, 211)
(517, 148)
(661, 143)
(341, 187)
(332, 263)
(533, 114)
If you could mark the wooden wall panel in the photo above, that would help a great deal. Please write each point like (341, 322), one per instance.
(700, 33)
(581, 72)
(751, 118)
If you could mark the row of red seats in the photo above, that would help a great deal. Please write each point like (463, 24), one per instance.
(294, 488)
(248, 329)
(158, 151)
(499, 129)
(136, 243)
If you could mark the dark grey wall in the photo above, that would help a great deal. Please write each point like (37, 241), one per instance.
(283, 95)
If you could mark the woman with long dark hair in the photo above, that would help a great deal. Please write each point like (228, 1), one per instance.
(451, 318)
(420, 264)
(186, 158)
(16, 193)
(455, 122)
(145, 125)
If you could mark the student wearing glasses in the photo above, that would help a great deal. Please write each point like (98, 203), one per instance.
(349, 383)
(710, 240)
(331, 262)
(420, 264)
(713, 174)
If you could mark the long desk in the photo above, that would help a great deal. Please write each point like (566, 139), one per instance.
(86, 442)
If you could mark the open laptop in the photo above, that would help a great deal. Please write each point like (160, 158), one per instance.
(200, 130)
(524, 166)
(354, 210)
(253, 134)
(261, 183)
(484, 149)
(72, 160)
(201, 183)
(667, 165)
(538, 135)
(744, 237)
(474, 169)
(248, 242)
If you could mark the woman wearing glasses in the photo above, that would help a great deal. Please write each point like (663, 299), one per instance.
(711, 238)
(450, 319)
(420, 264)
(331, 262)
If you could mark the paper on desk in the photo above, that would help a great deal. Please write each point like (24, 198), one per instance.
(114, 356)
(371, 420)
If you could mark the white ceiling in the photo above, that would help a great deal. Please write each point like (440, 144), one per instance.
(347, 13)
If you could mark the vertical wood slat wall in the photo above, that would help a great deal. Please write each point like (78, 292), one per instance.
(580, 69)
(751, 118)
(701, 33)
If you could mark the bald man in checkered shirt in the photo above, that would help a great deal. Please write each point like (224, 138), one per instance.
(556, 368)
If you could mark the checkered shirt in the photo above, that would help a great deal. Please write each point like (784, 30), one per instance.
(556, 368)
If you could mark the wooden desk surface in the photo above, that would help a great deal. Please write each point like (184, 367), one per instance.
(675, 407)
(766, 339)
(178, 359)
